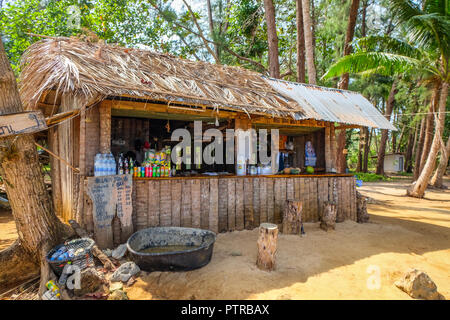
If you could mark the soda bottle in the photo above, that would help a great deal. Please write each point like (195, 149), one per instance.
(126, 170)
(120, 164)
(131, 166)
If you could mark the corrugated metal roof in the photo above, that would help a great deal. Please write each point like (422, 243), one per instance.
(329, 104)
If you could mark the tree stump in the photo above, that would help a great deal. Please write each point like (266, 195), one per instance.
(361, 208)
(292, 217)
(267, 246)
(328, 219)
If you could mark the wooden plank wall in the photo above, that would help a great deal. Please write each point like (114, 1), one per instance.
(228, 204)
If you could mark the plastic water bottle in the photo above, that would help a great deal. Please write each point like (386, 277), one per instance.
(96, 165)
(105, 165)
(111, 164)
(102, 165)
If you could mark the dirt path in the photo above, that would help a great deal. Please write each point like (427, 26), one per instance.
(403, 233)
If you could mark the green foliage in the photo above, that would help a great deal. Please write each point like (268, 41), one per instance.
(125, 22)
(382, 63)
(370, 177)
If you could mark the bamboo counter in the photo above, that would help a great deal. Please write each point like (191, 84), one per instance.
(228, 203)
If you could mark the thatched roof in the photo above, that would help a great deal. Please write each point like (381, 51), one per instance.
(96, 69)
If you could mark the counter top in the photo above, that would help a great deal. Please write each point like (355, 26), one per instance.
(200, 176)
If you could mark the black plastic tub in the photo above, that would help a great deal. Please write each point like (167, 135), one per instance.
(202, 242)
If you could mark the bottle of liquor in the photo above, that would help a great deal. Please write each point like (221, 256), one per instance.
(120, 166)
(131, 166)
(126, 169)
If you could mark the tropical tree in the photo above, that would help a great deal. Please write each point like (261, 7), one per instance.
(37, 225)
(309, 48)
(300, 42)
(426, 51)
(341, 163)
(272, 38)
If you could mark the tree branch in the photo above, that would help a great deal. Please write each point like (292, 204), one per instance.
(251, 61)
(200, 33)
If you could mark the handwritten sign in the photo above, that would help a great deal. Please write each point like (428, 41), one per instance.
(111, 195)
(20, 123)
(123, 188)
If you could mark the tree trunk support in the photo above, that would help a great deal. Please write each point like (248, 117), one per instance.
(292, 217)
(328, 220)
(267, 246)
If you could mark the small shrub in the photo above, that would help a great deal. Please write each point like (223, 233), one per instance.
(370, 177)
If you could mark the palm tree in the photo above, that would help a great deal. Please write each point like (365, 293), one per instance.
(436, 181)
(426, 52)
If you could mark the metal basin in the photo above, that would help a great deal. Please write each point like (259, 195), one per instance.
(202, 242)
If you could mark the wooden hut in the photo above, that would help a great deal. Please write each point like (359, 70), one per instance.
(99, 98)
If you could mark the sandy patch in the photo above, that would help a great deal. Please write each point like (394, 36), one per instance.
(8, 233)
(402, 233)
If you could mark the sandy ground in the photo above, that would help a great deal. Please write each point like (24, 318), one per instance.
(343, 264)
(8, 232)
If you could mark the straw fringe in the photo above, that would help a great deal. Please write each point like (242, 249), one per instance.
(70, 65)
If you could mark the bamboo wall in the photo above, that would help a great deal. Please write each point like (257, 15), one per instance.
(233, 203)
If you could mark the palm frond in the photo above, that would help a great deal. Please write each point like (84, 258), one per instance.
(404, 10)
(387, 44)
(380, 62)
(441, 7)
(431, 30)
(428, 29)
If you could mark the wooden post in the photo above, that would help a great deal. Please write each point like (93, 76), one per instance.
(65, 141)
(241, 125)
(292, 217)
(105, 128)
(328, 219)
(328, 159)
(333, 147)
(267, 246)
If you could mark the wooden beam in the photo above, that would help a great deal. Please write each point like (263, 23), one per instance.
(57, 118)
(347, 126)
(204, 112)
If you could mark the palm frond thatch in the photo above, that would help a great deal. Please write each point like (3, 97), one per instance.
(96, 69)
